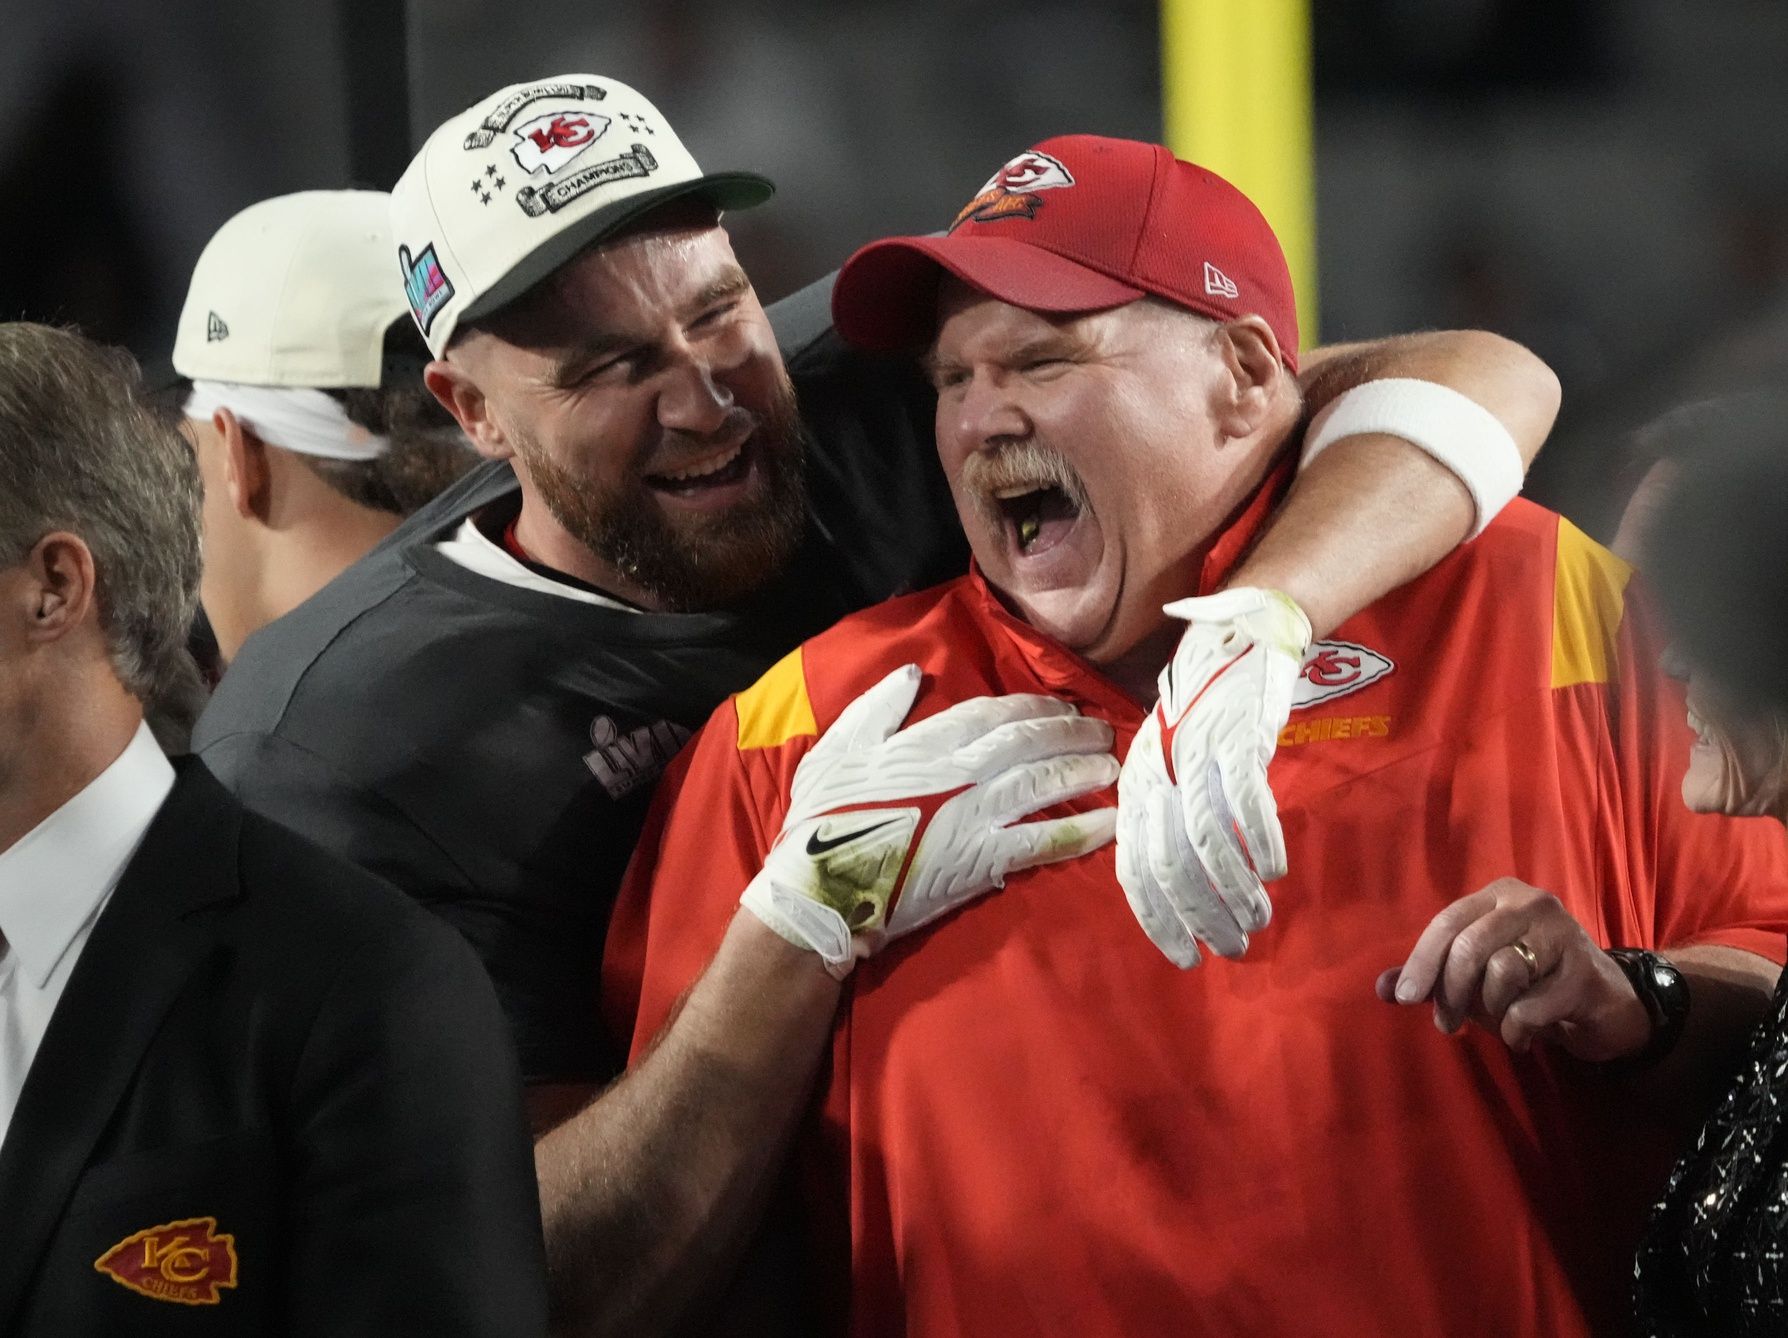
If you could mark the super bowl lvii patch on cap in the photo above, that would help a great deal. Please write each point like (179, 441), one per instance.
(425, 285)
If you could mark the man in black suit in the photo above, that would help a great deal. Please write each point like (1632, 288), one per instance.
(244, 1087)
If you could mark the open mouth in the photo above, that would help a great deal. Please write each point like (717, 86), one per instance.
(718, 469)
(1037, 517)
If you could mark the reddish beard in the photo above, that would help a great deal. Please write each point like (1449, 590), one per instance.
(697, 562)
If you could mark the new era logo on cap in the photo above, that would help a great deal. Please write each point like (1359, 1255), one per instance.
(215, 329)
(1219, 284)
(553, 166)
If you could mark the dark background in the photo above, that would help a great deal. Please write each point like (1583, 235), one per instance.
(1605, 180)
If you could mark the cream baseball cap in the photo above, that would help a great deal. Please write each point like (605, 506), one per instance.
(510, 189)
(293, 291)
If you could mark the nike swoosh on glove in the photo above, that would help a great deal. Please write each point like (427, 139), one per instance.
(1198, 830)
(889, 828)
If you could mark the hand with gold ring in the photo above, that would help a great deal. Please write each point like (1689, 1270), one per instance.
(1514, 960)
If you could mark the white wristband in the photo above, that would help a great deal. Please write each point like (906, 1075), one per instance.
(1452, 428)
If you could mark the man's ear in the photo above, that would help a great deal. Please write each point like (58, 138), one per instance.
(1253, 375)
(60, 587)
(459, 395)
(247, 475)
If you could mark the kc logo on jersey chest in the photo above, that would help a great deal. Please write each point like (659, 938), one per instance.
(1335, 668)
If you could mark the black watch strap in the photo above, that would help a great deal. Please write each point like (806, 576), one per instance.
(1665, 994)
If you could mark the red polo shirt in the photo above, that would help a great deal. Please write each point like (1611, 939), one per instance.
(1033, 1123)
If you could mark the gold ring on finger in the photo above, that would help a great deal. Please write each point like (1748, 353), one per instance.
(1526, 954)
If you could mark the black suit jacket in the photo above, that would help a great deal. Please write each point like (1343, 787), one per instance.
(275, 1098)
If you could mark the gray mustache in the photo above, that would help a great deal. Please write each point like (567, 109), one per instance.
(1020, 464)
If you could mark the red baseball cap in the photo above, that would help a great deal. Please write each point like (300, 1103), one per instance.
(1079, 223)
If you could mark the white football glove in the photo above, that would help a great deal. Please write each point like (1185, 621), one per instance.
(1198, 831)
(888, 830)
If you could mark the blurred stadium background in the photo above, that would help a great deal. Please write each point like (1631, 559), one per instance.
(1605, 180)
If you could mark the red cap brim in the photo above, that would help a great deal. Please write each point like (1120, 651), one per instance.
(885, 298)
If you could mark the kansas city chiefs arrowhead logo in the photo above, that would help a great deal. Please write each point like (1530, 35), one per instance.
(1011, 192)
(1334, 669)
(185, 1262)
(548, 143)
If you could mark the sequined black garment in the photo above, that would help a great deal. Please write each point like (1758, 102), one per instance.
(1715, 1260)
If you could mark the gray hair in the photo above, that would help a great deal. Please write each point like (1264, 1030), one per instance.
(83, 450)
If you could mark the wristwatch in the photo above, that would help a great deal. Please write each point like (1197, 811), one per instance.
(1665, 994)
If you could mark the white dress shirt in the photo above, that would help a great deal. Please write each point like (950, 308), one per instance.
(54, 882)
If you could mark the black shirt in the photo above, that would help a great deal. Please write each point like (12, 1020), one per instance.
(491, 749)
(1715, 1260)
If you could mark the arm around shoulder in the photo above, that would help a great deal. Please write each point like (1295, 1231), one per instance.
(1457, 418)
(1503, 377)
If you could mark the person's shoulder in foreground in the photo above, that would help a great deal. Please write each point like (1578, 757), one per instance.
(277, 1088)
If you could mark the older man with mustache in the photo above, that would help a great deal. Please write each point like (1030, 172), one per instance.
(1033, 1122)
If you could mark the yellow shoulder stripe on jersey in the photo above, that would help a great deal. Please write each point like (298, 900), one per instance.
(1588, 599)
(775, 709)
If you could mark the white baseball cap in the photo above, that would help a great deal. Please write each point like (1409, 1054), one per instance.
(510, 189)
(293, 291)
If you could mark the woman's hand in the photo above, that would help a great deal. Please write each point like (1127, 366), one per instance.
(1513, 959)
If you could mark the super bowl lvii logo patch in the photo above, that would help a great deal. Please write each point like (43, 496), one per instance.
(425, 284)
(624, 762)
(186, 1262)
